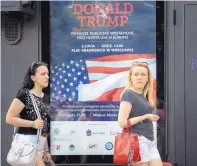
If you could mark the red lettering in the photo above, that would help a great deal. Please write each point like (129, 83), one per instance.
(123, 20)
(118, 8)
(112, 21)
(75, 9)
(110, 8)
(128, 6)
(101, 11)
(85, 8)
(102, 8)
(91, 20)
(98, 20)
(58, 147)
(81, 20)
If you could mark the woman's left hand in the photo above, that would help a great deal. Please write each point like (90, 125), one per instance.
(47, 157)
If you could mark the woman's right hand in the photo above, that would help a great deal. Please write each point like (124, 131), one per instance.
(38, 124)
(152, 117)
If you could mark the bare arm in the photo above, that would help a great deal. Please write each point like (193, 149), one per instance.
(46, 146)
(124, 111)
(12, 116)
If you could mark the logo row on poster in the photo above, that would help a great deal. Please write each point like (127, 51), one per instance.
(89, 132)
(108, 146)
(93, 148)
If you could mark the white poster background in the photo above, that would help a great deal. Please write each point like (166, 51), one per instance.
(70, 137)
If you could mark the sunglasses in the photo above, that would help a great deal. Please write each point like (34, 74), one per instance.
(32, 65)
(140, 63)
(35, 63)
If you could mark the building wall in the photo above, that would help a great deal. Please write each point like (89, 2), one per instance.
(17, 58)
(15, 61)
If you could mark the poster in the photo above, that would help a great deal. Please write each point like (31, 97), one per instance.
(93, 45)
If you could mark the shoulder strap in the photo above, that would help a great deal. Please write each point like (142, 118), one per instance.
(38, 115)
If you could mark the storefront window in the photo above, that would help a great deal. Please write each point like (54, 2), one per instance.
(92, 45)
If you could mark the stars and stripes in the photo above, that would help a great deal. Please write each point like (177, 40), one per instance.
(95, 79)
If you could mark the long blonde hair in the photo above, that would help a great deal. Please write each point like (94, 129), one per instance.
(148, 89)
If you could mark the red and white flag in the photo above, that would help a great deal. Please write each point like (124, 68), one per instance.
(108, 76)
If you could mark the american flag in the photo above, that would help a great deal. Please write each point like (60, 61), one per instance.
(65, 79)
(96, 79)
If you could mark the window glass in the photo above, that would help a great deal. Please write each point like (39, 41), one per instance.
(92, 45)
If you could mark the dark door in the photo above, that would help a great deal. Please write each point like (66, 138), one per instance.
(186, 83)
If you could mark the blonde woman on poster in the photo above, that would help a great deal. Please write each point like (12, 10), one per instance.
(137, 105)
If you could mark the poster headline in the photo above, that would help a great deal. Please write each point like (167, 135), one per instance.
(96, 15)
